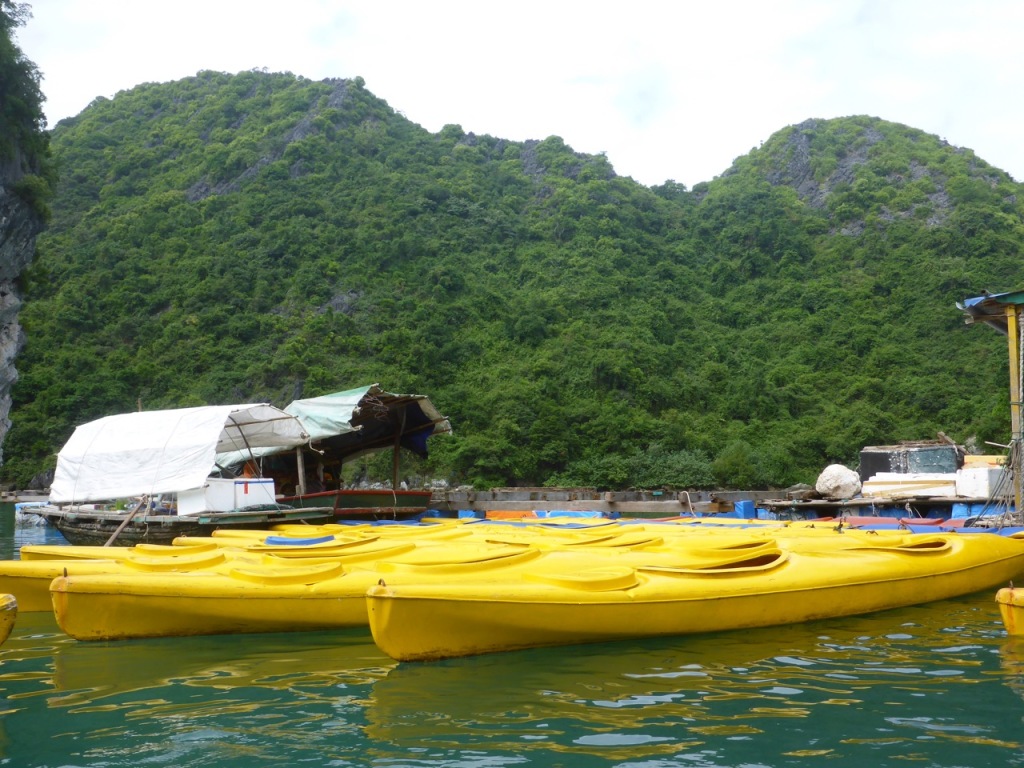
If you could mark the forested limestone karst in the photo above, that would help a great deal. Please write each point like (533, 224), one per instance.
(25, 177)
(241, 237)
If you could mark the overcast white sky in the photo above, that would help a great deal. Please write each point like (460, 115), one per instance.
(667, 89)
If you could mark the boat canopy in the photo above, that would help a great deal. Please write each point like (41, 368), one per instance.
(368, 419)
(347, 424)
(151, 452)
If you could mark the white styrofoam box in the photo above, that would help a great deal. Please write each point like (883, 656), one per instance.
(252, 491)
(908, 485)
(979, 482)
(215, 495)
(224, 494)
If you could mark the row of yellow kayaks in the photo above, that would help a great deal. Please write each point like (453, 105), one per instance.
(447, 588)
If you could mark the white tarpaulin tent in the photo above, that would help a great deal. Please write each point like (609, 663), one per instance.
(151, 452)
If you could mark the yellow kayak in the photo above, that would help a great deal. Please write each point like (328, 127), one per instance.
(1011, 609)
(8, 615)
(29, 580)
(277, 594)
(432, 621)
(289, 596)
(81, 552)
(269, 596)
(282, 594)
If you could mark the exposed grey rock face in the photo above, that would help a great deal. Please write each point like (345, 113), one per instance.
(19, 226)
(799, 174)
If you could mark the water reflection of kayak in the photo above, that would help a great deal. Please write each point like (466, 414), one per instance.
(692, 685)
(70, 673)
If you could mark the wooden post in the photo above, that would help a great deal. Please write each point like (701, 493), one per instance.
(398, 445)
(300, 465)
(127, 519)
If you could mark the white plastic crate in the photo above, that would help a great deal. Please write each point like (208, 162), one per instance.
(223, 495)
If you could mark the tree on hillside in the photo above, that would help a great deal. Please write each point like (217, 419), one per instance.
(24, 143)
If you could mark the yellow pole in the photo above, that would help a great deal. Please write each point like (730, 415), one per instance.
(1013, 336)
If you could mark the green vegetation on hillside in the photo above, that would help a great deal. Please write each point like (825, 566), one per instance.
(24, 142)
(231, 238)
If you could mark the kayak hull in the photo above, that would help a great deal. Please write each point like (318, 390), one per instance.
(1011, 609)
(8, 615)
(426, 622)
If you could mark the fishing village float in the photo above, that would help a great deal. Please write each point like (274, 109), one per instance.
(481, 572)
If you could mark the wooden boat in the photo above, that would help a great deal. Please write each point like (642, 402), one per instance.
(1011, 609)
(366, 504)
(8, 615)
(174, 453)
(433, 621)
(89, 526)
(343, 426)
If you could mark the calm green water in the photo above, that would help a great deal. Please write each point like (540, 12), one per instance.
(939, 685)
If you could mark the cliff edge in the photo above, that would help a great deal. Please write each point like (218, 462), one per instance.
(27, 177)
(19, 226)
